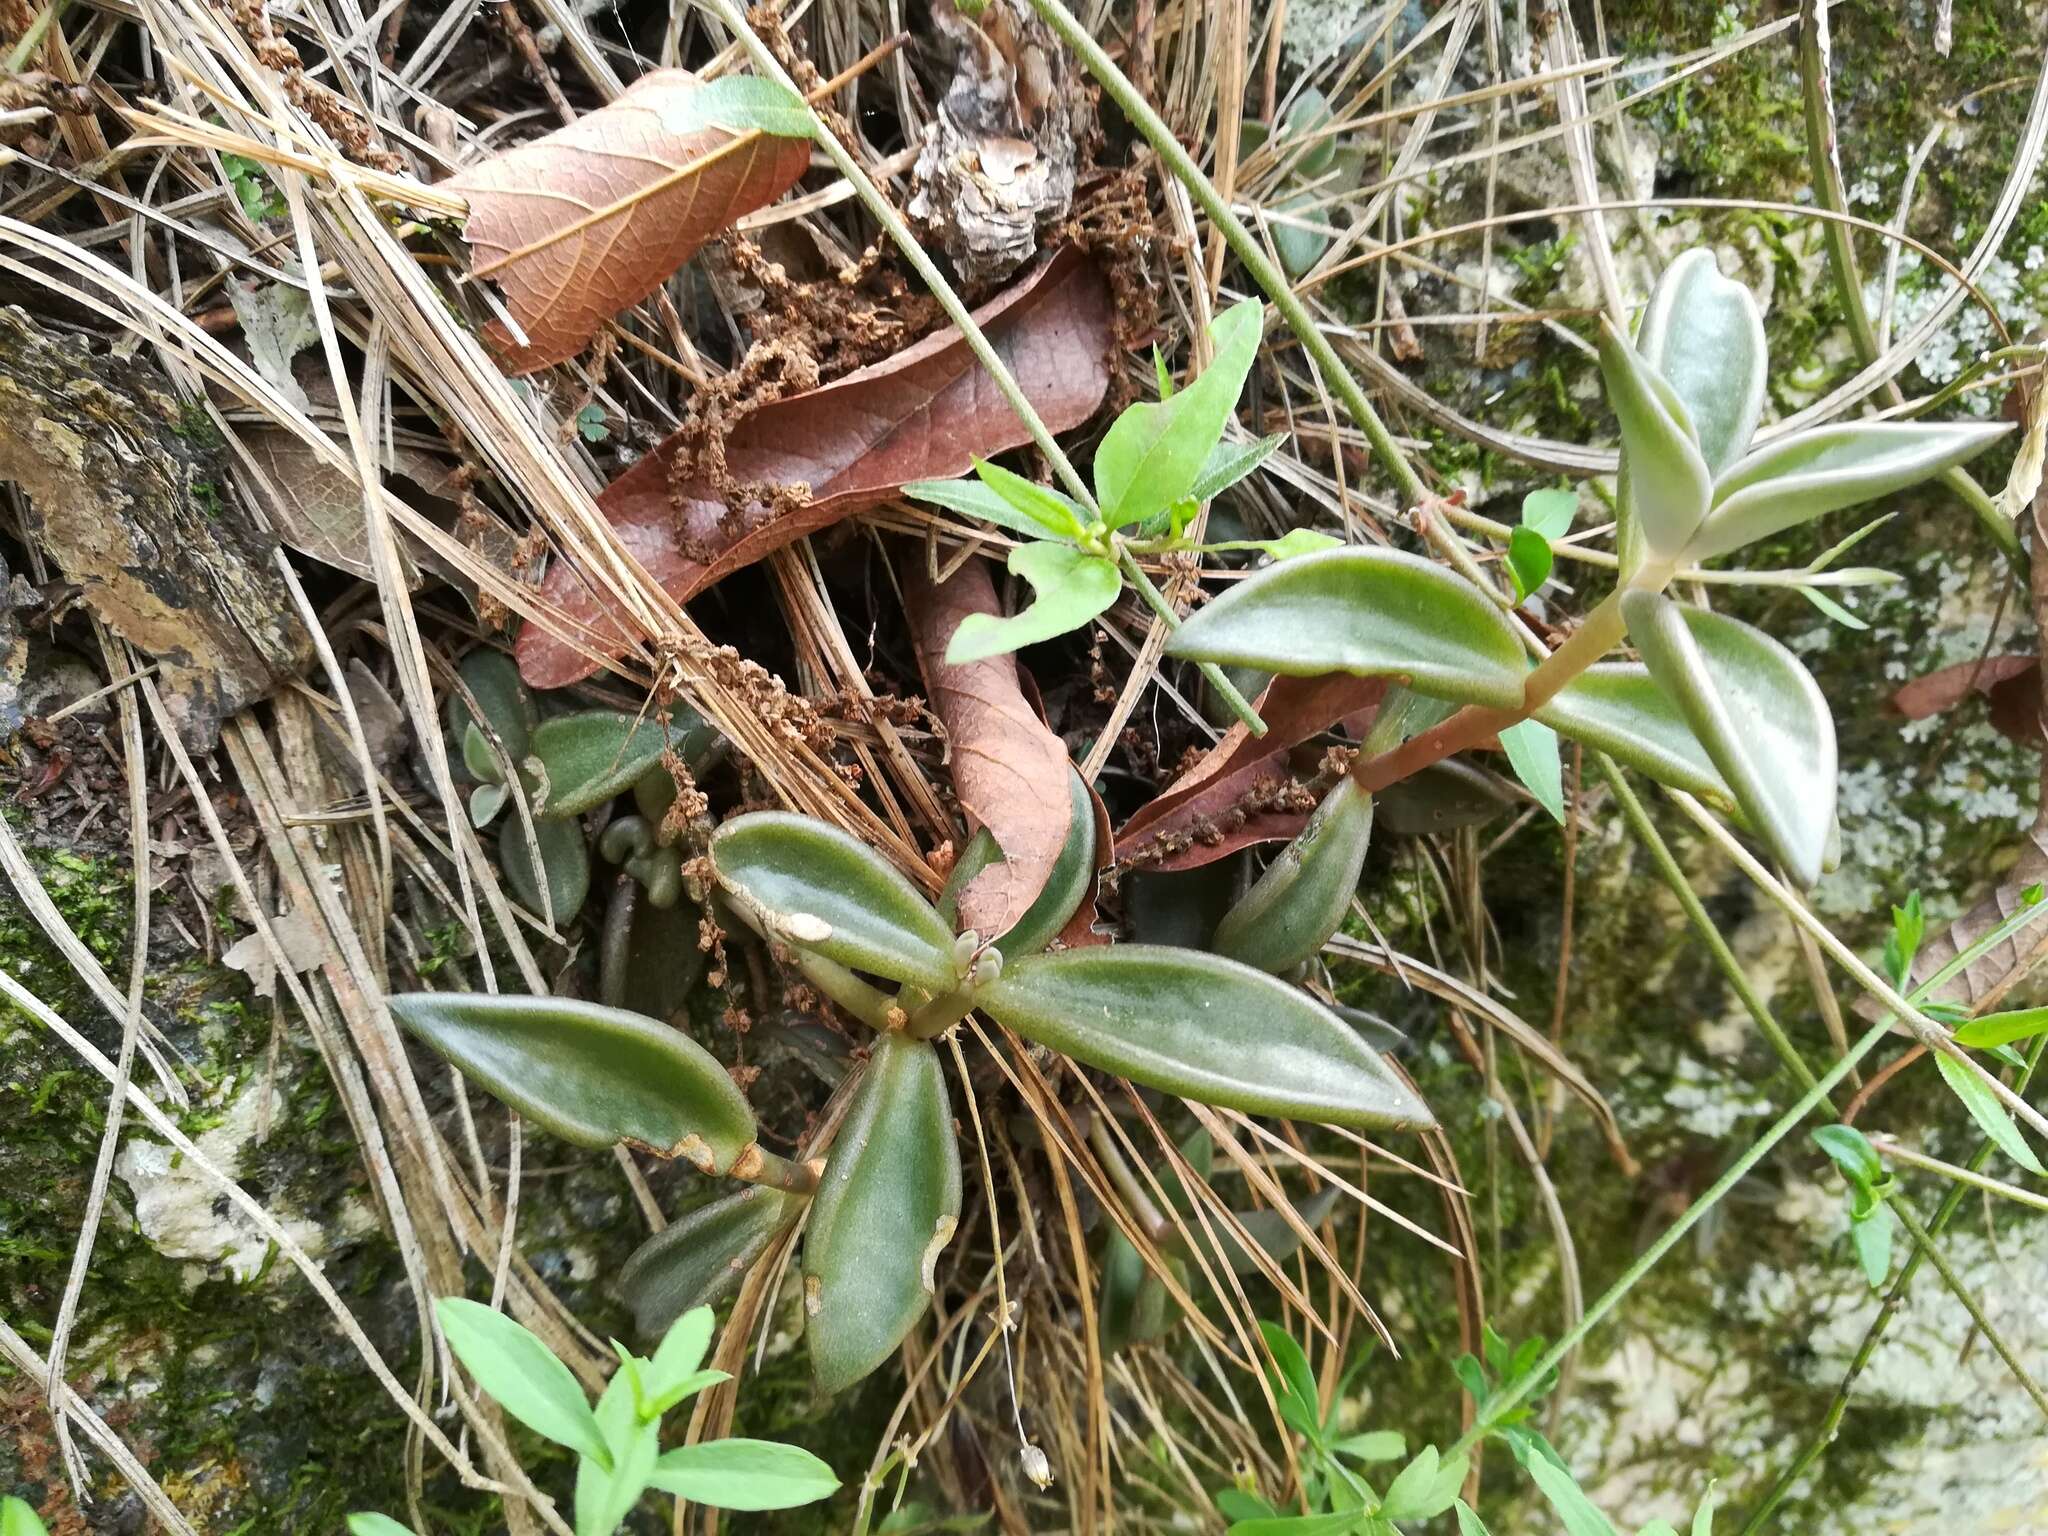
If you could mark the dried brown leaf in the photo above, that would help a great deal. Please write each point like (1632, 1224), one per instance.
(925, 413)
(2011, 685)
(592, 218)
(1008, 768)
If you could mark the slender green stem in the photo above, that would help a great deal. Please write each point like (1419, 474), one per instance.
(868, 1004)
(1132, 103)
(963, 319)
(1970, 1176)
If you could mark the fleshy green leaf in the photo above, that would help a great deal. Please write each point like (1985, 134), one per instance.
(492, 678)
(1059, 514)
(1550, 512)
(648, 959)
(1305, 893)
(744, 1475)
(1757, 712)
(1229, 463)
(591, 1075)
(1072, 873)
(885, 1210)
(1150, 458)
(522, 1373)
(1995, 1029)
(1851, 1151)
(1373, 612)
(1310, 111)
(1990, 1115)
(487, 799)
(1827, 469)
(1702, 332)
(1618, 708)
(564, 857)
(588, 757)
(1531, 747)
(813, 885)
(970, 498)
(701, 1255)
(1124, 1282)
(1069, 587)
(358, 1525)
(1270, 1232)
(741, 102)
(1299, 246)
(1529, 561)
(1205, 1028)
(1668, 481)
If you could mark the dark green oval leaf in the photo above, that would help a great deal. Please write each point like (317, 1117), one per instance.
(588, 757)
(1702, 332)
(492, 679)
(1304, 894)
(591, 1075)
(564, 856)
(885, 1209)
(522, 1373)
(649, 961)
(1829, 468)
(1374, 612)
(1205, 1028)
(815, 886)
(1758, 713)
(701, 1255)
(744, 1474)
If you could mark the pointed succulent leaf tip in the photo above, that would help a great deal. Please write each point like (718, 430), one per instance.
(700, 1256)
(1759, 715)
(1305, 893)
(1618, 708)
(1373, 612)
(592, 1075)
(1668, 482)
(1829, 468)
(779, 867)
(1203, 1027)
(885, 1209)
(1703, 333)
(1154, 453)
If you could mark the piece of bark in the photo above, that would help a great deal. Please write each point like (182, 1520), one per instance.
(997, 166)
(129, 501)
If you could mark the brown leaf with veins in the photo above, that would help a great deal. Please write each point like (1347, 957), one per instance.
(1202, 816)
(1009, 770)
(926, 413)
(592, 218)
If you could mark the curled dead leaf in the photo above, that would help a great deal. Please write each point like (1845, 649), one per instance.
(592, 218)
(2010, 684)
(926, 413)
(1008, 768)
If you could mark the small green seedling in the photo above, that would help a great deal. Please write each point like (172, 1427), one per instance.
(1157, 464)
(1870, 1219)
(618, 1445)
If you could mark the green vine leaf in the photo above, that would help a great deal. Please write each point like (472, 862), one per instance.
(1703, 334)
(698, 1257)
(1203, 1027)
(1229, 463)
(1827, 469)
(1070, 587)
(886, 1208)
(1373, 612)
(1529, 561)
(1153, 454)
(1758, 713)
(1304, 894)
(816, 887)
(1990, 1115)
(592, 1075)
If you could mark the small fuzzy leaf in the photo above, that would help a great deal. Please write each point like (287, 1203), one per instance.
(564, 857)
(589, 757)
(1990, 1115)
(1758, 713)
(1829, 468)
(1153, 454)
(487, 799)
(1550, 512)
(1304, 894)
(591, 1075)
(701, 1255)
(1370, 612)
(1531, 747)
(522, 1373)
(885, 1209)
(1205, 1028)
(744, 1475)
(1058, 514)
(1618, 708)
(1668, 481)
(787, 868)
(1703, 333)
(1300, 245)
(1529, 561)
(1229, 463)
(1069, 587)
(971, 498)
